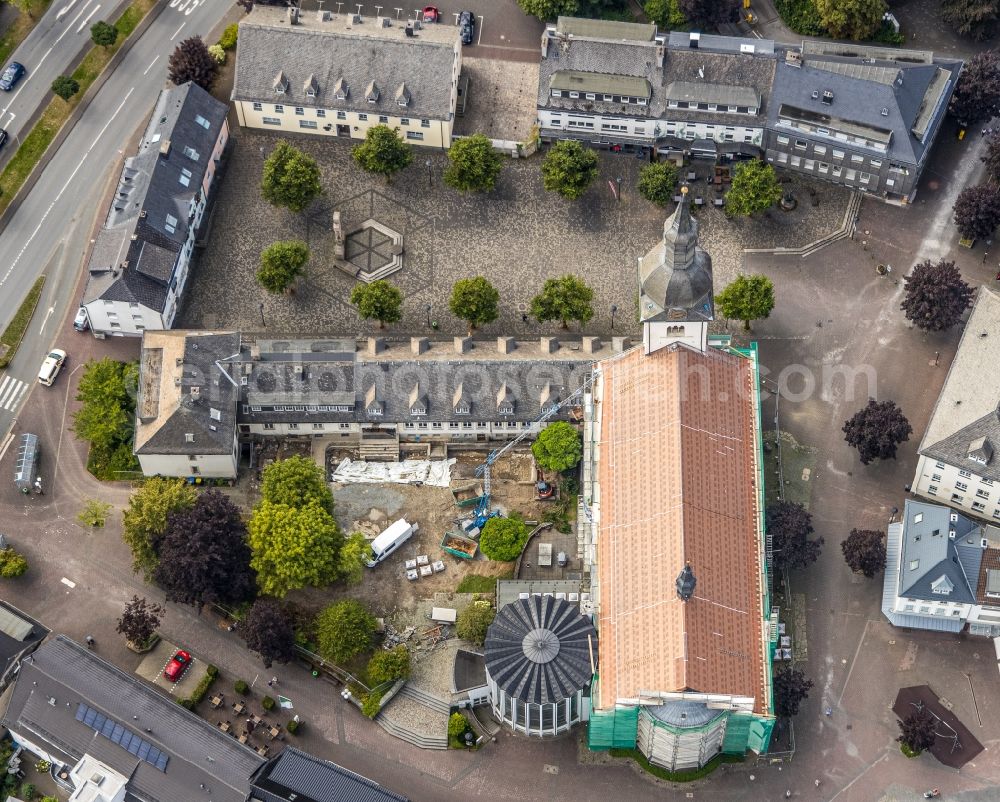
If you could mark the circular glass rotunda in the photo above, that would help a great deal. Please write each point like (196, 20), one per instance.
(540, 658)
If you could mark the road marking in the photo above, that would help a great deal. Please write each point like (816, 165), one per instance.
(177, 31)
(47, 316)
(6, 444)
(11, 391)
(83, 158)
(89, 17)
(69, 27)
(68, 583)
(65, 10)
(479, 38)
(151, 65)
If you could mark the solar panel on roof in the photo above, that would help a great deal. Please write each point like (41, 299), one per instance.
(118, 734)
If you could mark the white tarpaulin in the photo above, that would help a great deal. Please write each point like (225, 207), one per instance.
(433, 473)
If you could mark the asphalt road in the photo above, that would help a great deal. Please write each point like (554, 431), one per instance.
(49, 232)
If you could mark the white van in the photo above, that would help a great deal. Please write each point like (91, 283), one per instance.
(390, 540)
(51, 366)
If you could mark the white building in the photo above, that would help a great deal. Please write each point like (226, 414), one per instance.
(958, 461)
(139, 263)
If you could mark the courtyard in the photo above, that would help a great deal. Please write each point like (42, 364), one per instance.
(517, 236)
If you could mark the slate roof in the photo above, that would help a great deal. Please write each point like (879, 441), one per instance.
(18, 632)
(202, 762)
(539, 650)
(167, 411)
(174, 147)
(357, 53)
(967, 407)
(295, 775)
(933, 554)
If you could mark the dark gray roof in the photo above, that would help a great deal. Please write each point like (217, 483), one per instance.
(18, 633)
(469, 671)
(202, 762)
(215, 405)
(720, 44)
(930, 555)
(541, 650)
(360, 54)
(176, 147)
(295, 775)
(684, 713)
(956, 448)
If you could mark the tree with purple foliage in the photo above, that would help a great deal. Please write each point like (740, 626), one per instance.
(977, 211)
(936, 296)
(791, 688)
(710, 13)
(992, 157)
(790, 525)
(864, 551)
(876, 430)
(139, 621)
(191, 61)
(267, 630)
(917, 730)
(204, 556)
(977, 94)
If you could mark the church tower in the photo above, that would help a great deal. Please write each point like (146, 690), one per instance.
(675, 285)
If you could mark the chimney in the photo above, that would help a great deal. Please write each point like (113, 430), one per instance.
(694, 40)
(463, 345)
(165, 148)
(619, 344)
(506, 345)
(195, 393)
(660, 51)
(545, 44)
(255, 351)
(591, 345)
(548, 345)
(419, 345)
(376, 345)
(293, 15)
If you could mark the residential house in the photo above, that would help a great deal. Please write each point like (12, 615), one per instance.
(185, 414)
(138, 267)
(958, 461)
(20, 635)
(110, 737)
(860, 116)
(294, 775)
(942, 571)
(338, 75)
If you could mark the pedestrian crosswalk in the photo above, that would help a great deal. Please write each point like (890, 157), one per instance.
(11, 392)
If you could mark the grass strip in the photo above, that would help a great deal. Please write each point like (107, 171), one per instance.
(34, 145)
(23, 25)
(15, 330)
(685, 776)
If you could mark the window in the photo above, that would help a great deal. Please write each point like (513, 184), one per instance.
(268, 427)
(383, 119)
(425, 123)
(591, 96)
(796, 161)
(436, 425)
(958, 499)
(318, 426)
(936, 477)
(341, 115)
(405, 120)
(258, 107)
(574, 94)
(838, 154)
(307, 123)
(978, 506)
(363, 117)
(782, 140)
(170, 224)
(914, 565)
(857, 159)
(800, 144)
(932, 490)
(986, 481)
(996, 513)
(961, 486)
(810, 164)
(185, 177)
(417, 135)
(116, 325)
(299, 110)
(939, 465)
(965, 474)
(279, 109)
(321, 112)
(824, 167)
(191, 153)
(819, 150)
(557, 93)
(982, 494)
(876, 163)
(293, 426)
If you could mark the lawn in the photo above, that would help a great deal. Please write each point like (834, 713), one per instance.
(796, 461)
(34, 145)
(478, 583)
(22, 26)
(11, 337)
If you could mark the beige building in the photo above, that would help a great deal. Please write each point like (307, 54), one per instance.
(340, 74)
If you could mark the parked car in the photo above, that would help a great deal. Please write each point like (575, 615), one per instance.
(3, 137)
(467, 26)
(51, 366)
(431, 14)
(13, 73)
(81, 322)
(177, 666)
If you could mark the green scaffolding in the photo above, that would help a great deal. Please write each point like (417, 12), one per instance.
(613, 729)
(745, 731)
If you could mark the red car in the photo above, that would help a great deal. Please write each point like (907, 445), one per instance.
(431, 14)
(177, 666)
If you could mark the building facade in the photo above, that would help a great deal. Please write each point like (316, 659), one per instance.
(138, 267)
(864, 117)
(957, 461)
(338, 75)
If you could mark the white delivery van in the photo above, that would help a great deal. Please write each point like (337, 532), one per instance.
(390, 540)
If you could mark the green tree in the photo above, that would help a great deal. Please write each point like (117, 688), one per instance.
(354, 551)
(103, 34)
(563, 299)
(851, 19)
(292, 547)
(296, 481)
(569, 168)
(344, 629)
(974, 18)
(12, 563)
(665, 13)
(291, 178)
(503, 538)
(281, 263)
(379, 301)
(230, 36)
(474, 164)
(747, 298)
(755, 188)
(145, 519)
(457, 723)
(549, 9)
(65, 87)
(558, 447)
(106, 418)
(383, 152)
(475, 301)
(389, 666)
(474, 620)
(657, 182)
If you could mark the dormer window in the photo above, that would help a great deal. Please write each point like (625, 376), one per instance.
(981, 450)
(403, 95)
(942, 586)
(418, 401)
(373, 406)
(549, 397)
(341, 90)
(372, 93)
(505, 400)
(311, 86)
(460, 401)
(280, 83)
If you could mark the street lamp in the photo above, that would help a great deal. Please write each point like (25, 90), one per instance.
(430, 178)
(614, 309)
(619, 189)
(262, 323)
(428, 310)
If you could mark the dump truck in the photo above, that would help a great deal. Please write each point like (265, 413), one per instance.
(459, 546)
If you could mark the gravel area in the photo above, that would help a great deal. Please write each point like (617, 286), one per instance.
(433, 671)
(502, 99)
(416, 717)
